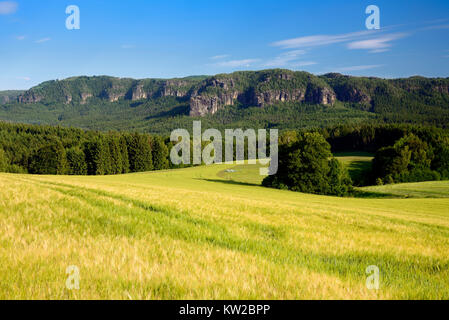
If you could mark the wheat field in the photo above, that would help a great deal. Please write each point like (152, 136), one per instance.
(206, 233)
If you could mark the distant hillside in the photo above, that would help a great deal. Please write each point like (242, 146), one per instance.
(9, 96)
(268, 98)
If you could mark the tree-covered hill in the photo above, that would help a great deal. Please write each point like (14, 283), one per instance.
(269, 98)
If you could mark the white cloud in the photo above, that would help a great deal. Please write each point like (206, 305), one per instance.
(321, 40)
(24, 78)
(42, 40)
(285, 58)
(219, 57)
(358, 68)
(237, 63)
(295, 53)
(20, 38)
(8, 7)
(368, 40)
(377, 44)
(303, 63)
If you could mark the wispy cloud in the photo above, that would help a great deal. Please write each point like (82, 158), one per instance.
(436, 21)
(380, 44)
(219, 57)
(8, 7)
(237, 63)
(358, 68)
(321, 40)
(24, 78)
(373, 40)
(285, 58)
(303, 64)
(437, 27)
(42, 40)
(20, 38)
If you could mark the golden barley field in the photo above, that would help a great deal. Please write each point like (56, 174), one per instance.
(205, 233)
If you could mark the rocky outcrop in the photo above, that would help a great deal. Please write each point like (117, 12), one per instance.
(113, 97)
(203, 105)
(175, 88)
(168, 88)
(5, 99)
(266, 90)
(263, 99)
(444, 89)
(114, 93)
(225, 84)
(29, 97)
(320, 95)
(84, 96)
(138, 93)
(213, 95)
(354, 95)
(68, 98)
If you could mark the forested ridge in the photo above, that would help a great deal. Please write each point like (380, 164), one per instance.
(276, 98)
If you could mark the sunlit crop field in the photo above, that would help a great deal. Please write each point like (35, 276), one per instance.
(205, 233)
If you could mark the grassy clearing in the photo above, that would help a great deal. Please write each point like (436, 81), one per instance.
(358, 163)
(204, 233)
(431, 189)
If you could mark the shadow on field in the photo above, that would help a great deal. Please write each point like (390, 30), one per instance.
(233, 182)
(376, 195)
(358, 169)
(355, 194)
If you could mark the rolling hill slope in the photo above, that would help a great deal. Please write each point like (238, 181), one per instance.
(209, 233)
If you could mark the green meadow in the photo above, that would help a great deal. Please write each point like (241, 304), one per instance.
(357, 163)
(213, 233)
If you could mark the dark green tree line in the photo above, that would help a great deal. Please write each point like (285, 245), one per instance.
(56, 150)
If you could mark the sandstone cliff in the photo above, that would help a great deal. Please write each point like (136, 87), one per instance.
(208, 95)
(259, 89)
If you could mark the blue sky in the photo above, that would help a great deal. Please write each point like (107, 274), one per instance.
(174, 38)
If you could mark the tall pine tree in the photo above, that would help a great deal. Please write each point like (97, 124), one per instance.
(115, 154)
(50, 159)
(77, 162)
(97, 157)
(159, 153)
(124, 154)
(139, 153)
(3, 161)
